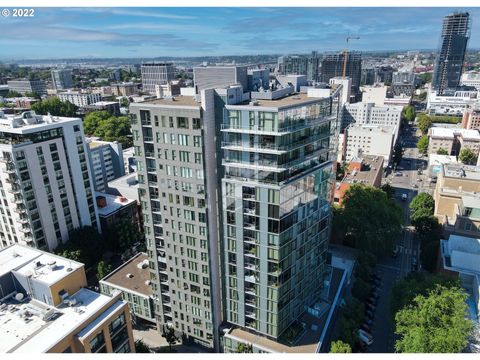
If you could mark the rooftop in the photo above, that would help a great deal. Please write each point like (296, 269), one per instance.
(94, 142)
(129, 180)
(173, 101)
(449, 132)
(370, 167)
(287, 101)
(468, 172)
(463, 253)
(29, 326)
(29, 122)
(134, 275)
(113, 203)
(43, 266)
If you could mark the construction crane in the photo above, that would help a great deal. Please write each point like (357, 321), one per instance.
(345, 53)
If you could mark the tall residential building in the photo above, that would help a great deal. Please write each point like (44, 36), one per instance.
(156, 74)
(46, 307)
(301, 65)
(24, 86)
(46, 185)
(80, 98)
(333, 65)
(218, 141)
(213, 77)
(451, 55)
(106, 162)
(276, 195)
(62, 79)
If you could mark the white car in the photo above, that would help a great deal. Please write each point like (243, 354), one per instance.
(365, 337)
(404, 197)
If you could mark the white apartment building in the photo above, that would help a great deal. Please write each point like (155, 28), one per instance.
(374, 94)
(346, 83)
(45, 182)
(362, 139)
(80, 99)
(453, 140)
(106, 162)
(471, 79)
(371, 114)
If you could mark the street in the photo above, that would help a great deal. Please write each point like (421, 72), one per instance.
(393, 269)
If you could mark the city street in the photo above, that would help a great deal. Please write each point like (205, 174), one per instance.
(393, 269)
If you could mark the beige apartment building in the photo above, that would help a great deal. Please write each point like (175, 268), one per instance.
(471, 119)
(457, 199)
(45, 307)
(453, 140)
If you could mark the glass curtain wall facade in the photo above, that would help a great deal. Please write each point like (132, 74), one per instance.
(276, 195)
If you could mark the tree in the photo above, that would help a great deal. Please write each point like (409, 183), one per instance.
(425, 77)
(371, 219)
(435, 323)
(422, 144)
(12, 94)
(84, 245)
(442, 151)
(409, 113)
(103, 269)
(108, 128)
(55, 107)
(389, 190)
(169, 335)
(33, 94)
(360, 289)
(424, 123)
(123, 235)
(339, 347)
(93, 119)
(423, 201)
(468, 157)
(244, 348)
(415, 284)
(422, 96)
(141, 347)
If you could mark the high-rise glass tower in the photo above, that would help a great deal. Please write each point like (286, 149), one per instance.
(333, 65)
(451, 55)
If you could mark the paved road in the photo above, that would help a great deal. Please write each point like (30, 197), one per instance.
(392, 269)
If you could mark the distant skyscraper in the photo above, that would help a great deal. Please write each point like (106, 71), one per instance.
(46, 186)
(333, 64)
(156, 74)
(451, 55)
(301, 65)
(62, 79)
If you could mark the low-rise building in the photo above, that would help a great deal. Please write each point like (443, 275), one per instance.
(132, 280)
(471, 79)
(453, 140)
(366, 170)
(435, 163)
(471, 118)
(374, 94)
(46, 307)
(126, 186)
(450, 105)
(80, 99)
(27, 86)
(361, 139)
(457, 199)
(125, 89)
(113, 210)
(112, 107)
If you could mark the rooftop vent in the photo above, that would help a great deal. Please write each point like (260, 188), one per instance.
(101, 201)
(129, 276)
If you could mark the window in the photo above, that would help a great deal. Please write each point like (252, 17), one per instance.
(182, 122)
(183, 139)
(117, 324)
(196, 123)
(97, 342)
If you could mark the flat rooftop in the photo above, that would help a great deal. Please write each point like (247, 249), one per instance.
(371, 166)
(311, 336)
(140, 275)
(287, 101)
(468, 172)
(28, 122)
(30, 326)
(129, 180)
(173, 101)
(450, 133)
(43, 266)
(114, 203)
(464, 252)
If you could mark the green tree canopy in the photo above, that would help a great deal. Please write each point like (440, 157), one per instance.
(409, 113)
(244, 348)
(389, 190)
(423, 201)
(422, 144)
(442, 151)
(339, 347)
(55, 107)
(85, 245)
(141, 347)
(414, 284)
(103, 269)
(423, 96)
(371, 218)
(435, 323)
(468, 157)
(424, 123)
(13, 93)
(108, 128)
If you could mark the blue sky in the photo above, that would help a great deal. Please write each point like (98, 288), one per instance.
(157, 32)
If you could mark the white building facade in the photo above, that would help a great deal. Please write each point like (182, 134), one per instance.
(80, 99)
(45, 180)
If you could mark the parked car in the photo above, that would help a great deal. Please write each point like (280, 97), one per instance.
(372, 300)
(359, 347)
(398, 173)
(368, 321)
(371, 307)
(374, 294)
(365, 327)
(404, 197)
(365, 337)
(370, 314)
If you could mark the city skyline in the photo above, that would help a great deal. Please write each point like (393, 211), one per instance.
(157, 32)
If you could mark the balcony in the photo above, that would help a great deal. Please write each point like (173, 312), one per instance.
(250, 240)
(249, 225)
(249, 211)
(149, 154)
(250, 314)
(148, 138)
(251, 279)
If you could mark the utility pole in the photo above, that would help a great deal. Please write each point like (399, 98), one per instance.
(345, 54)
